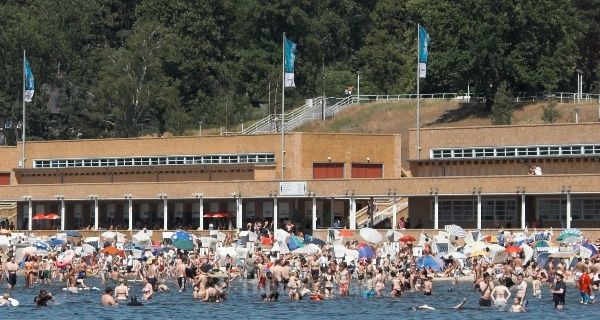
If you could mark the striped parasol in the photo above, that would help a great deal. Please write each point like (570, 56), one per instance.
(455, 230)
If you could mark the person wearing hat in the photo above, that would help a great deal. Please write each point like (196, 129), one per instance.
(560, 290)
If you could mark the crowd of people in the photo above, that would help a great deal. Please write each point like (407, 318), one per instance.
(301, 276)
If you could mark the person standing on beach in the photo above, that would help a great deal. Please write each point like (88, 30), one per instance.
(560, 291)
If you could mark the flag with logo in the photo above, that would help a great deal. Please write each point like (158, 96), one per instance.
(29, 82)
(423, 51)
(288, 64)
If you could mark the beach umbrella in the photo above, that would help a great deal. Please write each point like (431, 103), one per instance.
(543, 244)
(542, 259)
(370, 235)
(455, 230)
(39, 216)
(528, 251)
(571, 239)
(495, 247)
(111, 250)
(142, 236)
(52, 216)
(591, 247)
(310, 239)
(513, 249)
(281, 235)
(108, 235)
(41, 245)
(569, 233)
(393, 235)
(345, 233)
(427, 262)
(454, 255)
(308, 249)
(407, 238)
(295, 242)
(85, 250)
(490, 239)
(54, 242)
(183, 244)
(366, 252)
(182, 235)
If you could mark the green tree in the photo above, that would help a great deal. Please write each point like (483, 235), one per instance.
(133, 88)
(502, 110)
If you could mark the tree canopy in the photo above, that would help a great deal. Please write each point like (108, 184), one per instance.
(124, 68)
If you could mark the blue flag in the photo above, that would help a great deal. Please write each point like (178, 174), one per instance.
(423, 51)
(289, 59)
(29, 83)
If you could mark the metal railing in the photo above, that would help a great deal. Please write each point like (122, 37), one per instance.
(317, 108)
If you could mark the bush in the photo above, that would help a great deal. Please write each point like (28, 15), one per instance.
(502, 110)
(551, 114)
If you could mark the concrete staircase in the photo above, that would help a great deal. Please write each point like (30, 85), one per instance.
(385, 210)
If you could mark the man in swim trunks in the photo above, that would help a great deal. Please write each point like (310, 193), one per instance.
(485, 287)
(107, 298)
(11, 268)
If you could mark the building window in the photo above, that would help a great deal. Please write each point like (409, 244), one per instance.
(263, 158)
(367, 170)
(499, 210)
(455, 210)
(551, 209)
(514, 151)
(328, 170)
(585, 209)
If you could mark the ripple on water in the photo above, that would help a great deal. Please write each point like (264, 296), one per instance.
(244, 303)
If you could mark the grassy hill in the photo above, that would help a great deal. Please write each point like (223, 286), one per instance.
(399, 117)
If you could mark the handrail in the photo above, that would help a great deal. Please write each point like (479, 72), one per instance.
(312, 109)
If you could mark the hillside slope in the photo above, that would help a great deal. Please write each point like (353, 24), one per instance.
(399, 117)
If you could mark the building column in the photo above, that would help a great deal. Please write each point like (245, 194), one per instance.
(129, 211)
(274, 215)
(394, 213)
(523, 217)
(479, 210)
(238, 210)
(165, 213)
(29, 213)
(201, 208)
(436, 212)
(352, 213)
(314, 213)
(96, 215)
(62, 213)
(568, 210)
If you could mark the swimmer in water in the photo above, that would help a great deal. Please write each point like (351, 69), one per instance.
(43, 298)
(500, 294)
(134, 302)
(107, 298)
(517, 305)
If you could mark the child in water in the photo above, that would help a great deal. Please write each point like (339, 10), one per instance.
(517, 306)
(537, 287)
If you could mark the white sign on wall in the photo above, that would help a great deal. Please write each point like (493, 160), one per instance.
(292, 188)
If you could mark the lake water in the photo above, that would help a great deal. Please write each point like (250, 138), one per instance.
(244, 303)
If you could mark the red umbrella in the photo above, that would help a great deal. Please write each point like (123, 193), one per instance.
(513, 249)
(208, 215)
(39, 216)
(111, 250)
(345, 233)
(407, 238)
(221, 215)
(52, 216)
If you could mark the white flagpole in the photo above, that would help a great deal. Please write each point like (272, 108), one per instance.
(418, 96)
(283, 110)
(23, 126)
